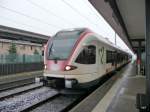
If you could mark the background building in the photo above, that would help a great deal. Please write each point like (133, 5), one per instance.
(22, 47)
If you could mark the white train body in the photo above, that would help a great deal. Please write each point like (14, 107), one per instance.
(79, 58)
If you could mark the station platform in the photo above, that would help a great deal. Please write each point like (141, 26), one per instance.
(20, 76)
(120, 96)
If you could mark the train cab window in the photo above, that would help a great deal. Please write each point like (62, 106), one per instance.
(62, 44)
(87, 55)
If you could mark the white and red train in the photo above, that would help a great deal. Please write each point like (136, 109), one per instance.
(78, 58)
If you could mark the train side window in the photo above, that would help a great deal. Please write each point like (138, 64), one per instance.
(118, 57)
(87, 55)
(108, 56)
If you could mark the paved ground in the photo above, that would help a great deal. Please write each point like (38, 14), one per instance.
(125, 99)
(122, 96)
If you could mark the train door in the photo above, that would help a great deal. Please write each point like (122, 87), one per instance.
(101, 60)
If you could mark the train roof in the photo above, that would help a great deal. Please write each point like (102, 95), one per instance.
(101, 38)
(106, 41)
(73, 29)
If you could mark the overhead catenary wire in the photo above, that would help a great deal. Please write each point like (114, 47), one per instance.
(87, 4)
(50, 12)
(31, 17)
(96, 13)
(78, 12)
(17, 22)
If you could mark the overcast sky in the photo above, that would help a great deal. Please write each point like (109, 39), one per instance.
(49, 16)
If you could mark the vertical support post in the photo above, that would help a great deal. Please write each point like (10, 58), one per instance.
(147, 5)
(139, 58)
(23, 58)
(143, 100)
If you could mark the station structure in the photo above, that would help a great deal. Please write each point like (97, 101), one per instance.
(131, 20)
(17, 34)
(26, 42)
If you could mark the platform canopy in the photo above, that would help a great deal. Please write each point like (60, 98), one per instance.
(127, 18)
(21, 35)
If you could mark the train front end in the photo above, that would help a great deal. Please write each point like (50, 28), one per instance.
(58, 52)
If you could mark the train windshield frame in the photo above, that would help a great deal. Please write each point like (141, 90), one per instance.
(62, 44)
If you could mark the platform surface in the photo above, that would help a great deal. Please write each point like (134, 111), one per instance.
(20, 76)
(122, 96)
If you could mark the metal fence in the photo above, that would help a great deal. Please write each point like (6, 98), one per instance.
(11, 64)
(15, 58)
(12, 68)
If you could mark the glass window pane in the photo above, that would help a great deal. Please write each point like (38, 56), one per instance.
(87, 55)
(62, 44)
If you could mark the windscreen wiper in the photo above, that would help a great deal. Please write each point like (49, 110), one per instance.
(50, 49)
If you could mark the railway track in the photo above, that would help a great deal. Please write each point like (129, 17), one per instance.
(58, 104)
(64, 102)
(26, 100)
(30, 96)
(16, 84)
(37, 98)
(14, 91)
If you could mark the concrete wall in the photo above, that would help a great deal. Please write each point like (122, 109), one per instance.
(23, 47)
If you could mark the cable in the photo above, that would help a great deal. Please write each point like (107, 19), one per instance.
(78, 12)
(83, 16)
(48, 11)
(87, 4)
(91, 7)
(21, 23)
(96, 14)
(14, 11)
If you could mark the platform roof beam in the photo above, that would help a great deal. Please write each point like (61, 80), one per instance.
(17, 34)
(126, 17)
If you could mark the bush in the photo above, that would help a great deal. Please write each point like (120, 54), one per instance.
(12, 52)
(36, 52)
(12, 49)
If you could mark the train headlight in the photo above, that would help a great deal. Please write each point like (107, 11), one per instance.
(45, 67)
(67, 67)
(70, 67)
